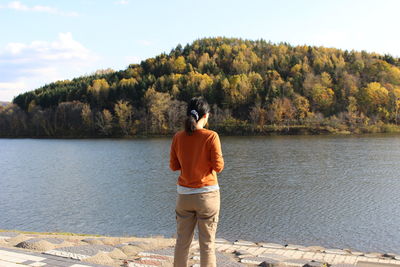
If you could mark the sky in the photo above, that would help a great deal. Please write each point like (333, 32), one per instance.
(43, 41)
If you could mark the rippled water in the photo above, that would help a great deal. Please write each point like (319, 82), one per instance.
(339, 192)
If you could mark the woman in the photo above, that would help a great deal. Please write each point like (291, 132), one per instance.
(196, 152)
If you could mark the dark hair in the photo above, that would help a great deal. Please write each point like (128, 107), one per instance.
(197, 108)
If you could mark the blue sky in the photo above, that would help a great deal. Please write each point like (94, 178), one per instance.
(45, 40)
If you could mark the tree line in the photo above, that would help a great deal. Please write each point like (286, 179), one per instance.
(253, 87)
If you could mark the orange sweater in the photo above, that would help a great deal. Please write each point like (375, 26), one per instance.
(198, 156)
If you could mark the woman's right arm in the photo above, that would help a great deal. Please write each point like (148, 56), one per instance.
(173, 159)
(217, 161)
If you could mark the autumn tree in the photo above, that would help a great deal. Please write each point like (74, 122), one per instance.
(318, 89)
(100, 90)
(258, 116)
(373, 98)
(302, 107)
(124, 114)
(157, 104)
(281, 111)
(104, 122)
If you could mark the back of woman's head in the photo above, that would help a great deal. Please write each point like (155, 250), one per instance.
(197, 108)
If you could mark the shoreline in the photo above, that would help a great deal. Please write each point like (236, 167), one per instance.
(170, 135)
(150, 251)
(247, 130)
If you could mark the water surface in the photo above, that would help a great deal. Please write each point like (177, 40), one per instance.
(338, 192)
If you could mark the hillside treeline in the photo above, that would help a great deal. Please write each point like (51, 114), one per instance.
(253, 87)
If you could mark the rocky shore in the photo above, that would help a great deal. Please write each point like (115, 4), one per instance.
(58, 249)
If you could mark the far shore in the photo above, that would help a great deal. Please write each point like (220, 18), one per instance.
(269, 130)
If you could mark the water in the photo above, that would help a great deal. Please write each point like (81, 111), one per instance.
(338, 192)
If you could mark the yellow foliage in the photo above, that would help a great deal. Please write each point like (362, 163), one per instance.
(180, 64)
(98, 86)
(127, 82)
(200, 81)
(295, 69)
(377, 94)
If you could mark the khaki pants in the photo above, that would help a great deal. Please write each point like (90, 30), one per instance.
(203, 210)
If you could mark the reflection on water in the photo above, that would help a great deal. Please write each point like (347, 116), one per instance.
(332, 191)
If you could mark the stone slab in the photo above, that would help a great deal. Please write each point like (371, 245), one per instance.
(257, 260)
(138, 243)
(271, 245)
(225, 261)
(51, 240)
(373, 255)
(316, 248)
(222, 241)
(272, 256)
(38, 259)
(292, 246)
(269, 263)
(144, 263)
(80, 252)
(336, 251)
(295, 263)
(168, 252)
(315, 264)
(375, 264)
(244, 243)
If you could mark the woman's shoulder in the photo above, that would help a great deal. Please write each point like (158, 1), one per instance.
(208, 132)
(198, 132)
(179, 133)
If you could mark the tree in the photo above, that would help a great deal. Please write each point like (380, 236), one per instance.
(68, 118)
(258, 116)
(240, 64)
(99, 89)
(373, 97)
(302, 107)
(157, 104)
(87, 117)
(104, 122)
(124, 114)
(281, 110)
(239, 90)
(176, 115)
(179, 64)
(317, 88)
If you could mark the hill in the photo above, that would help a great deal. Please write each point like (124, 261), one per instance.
(254, 87)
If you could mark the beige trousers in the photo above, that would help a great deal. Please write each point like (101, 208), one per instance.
(203, 210)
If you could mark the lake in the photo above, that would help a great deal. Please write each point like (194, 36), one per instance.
(333, 191)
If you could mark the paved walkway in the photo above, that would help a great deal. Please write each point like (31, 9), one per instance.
(17, 258)
(138, 253)
(251, 253)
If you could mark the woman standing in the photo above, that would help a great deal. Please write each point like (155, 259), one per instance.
(196, 152)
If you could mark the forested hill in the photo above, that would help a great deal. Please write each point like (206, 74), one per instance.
(252, 86)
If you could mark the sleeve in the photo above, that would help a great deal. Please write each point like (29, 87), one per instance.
(217, 161)
(173, 160)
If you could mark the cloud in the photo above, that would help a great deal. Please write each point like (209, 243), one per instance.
(16, 5)
(26, 66)
(122, 2)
